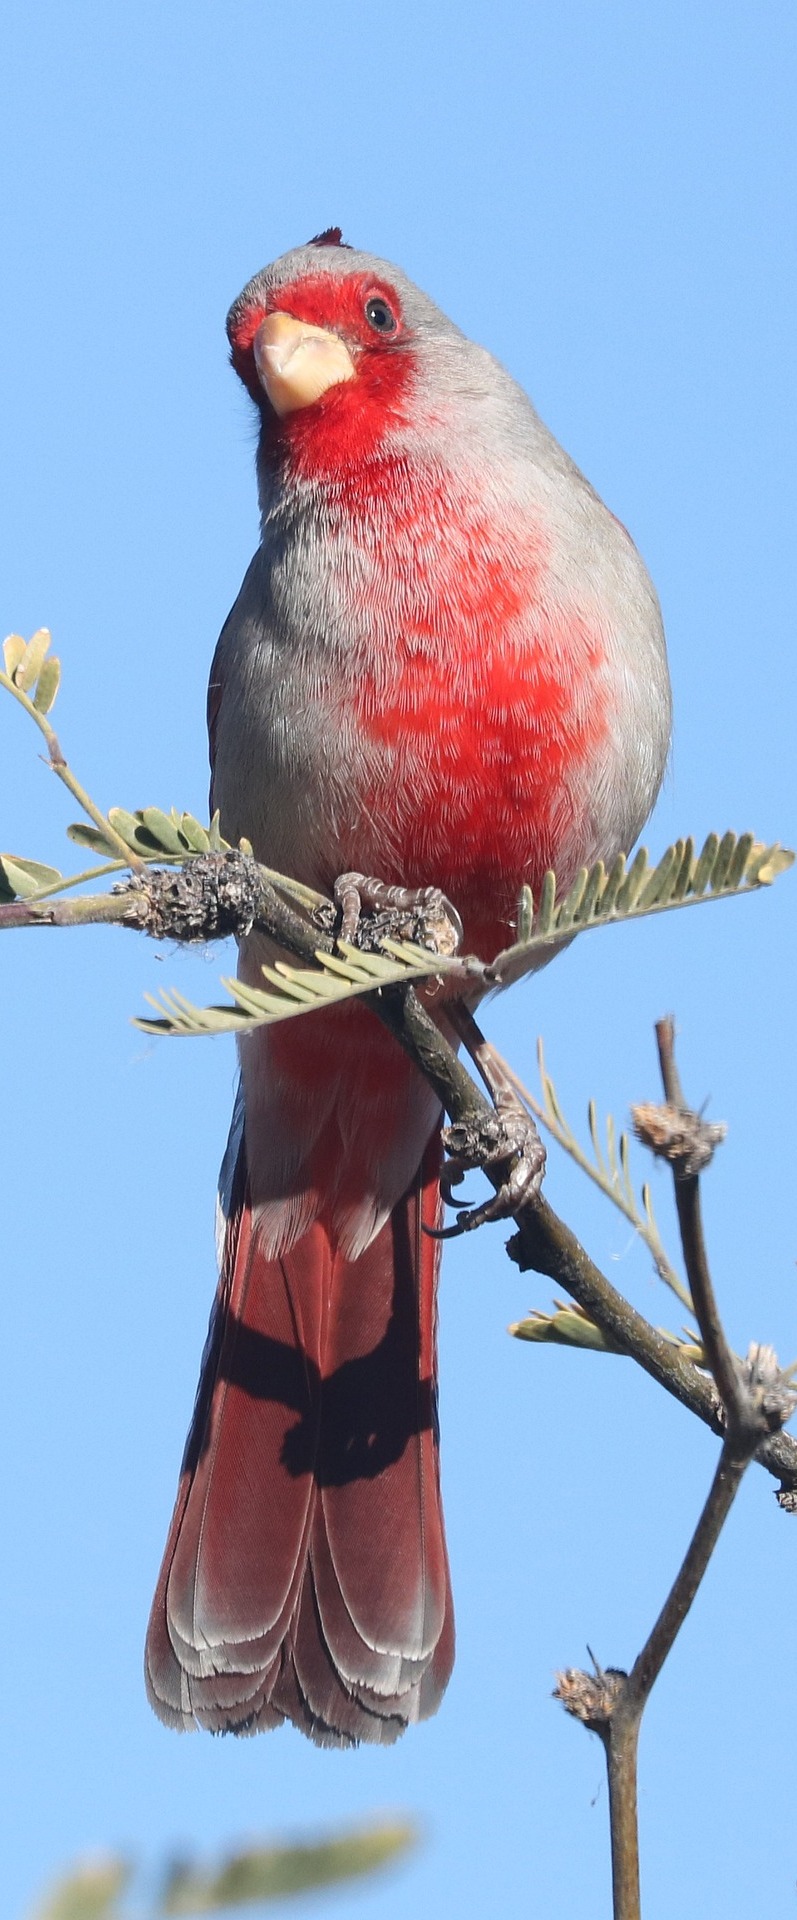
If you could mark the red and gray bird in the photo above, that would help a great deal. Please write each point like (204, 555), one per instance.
(445, 667)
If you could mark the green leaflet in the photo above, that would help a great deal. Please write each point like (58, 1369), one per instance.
(47, 685)
(31, 661)
(566, 1327)
(20, 879)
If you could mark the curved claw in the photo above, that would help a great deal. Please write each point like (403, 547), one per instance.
(449, 1233)
(507, 1139)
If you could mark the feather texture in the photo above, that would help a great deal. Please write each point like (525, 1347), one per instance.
(305, 1574)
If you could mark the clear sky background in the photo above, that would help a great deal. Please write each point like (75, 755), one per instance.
(603, 194)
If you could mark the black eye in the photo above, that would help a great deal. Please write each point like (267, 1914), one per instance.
(379, 315)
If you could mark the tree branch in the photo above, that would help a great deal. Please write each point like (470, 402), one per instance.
(755, 1399)
(218, 895)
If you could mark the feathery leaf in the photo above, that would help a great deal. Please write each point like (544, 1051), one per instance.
(610, 1170)
(251, 1876)
(293, 990)
(732, 865)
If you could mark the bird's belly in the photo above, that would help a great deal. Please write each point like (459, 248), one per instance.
(483, 770)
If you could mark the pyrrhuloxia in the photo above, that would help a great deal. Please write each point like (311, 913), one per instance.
(445, 666)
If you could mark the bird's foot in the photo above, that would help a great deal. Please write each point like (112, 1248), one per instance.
(504, 1143)
(369, 911)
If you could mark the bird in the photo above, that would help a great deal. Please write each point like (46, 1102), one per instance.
(445, 667)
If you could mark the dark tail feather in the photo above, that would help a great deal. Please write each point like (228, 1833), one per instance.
(305, 1575)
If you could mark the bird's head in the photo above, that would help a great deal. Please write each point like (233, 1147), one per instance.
(330, 343)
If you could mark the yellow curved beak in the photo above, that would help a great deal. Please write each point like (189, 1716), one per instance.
(296, 363)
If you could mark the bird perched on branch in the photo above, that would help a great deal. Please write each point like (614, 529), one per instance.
(445, 667)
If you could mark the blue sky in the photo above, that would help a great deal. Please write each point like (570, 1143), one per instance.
(603, 194)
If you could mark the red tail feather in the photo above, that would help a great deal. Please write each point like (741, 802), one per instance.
(305, 1576)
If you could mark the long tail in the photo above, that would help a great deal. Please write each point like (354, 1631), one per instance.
(305, 1574)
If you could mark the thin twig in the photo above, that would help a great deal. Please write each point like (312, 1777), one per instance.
(723, 1366)
(648, 1664)
(90, 910)
(61, 767)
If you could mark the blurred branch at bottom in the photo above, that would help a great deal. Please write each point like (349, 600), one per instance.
(249, 1876)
